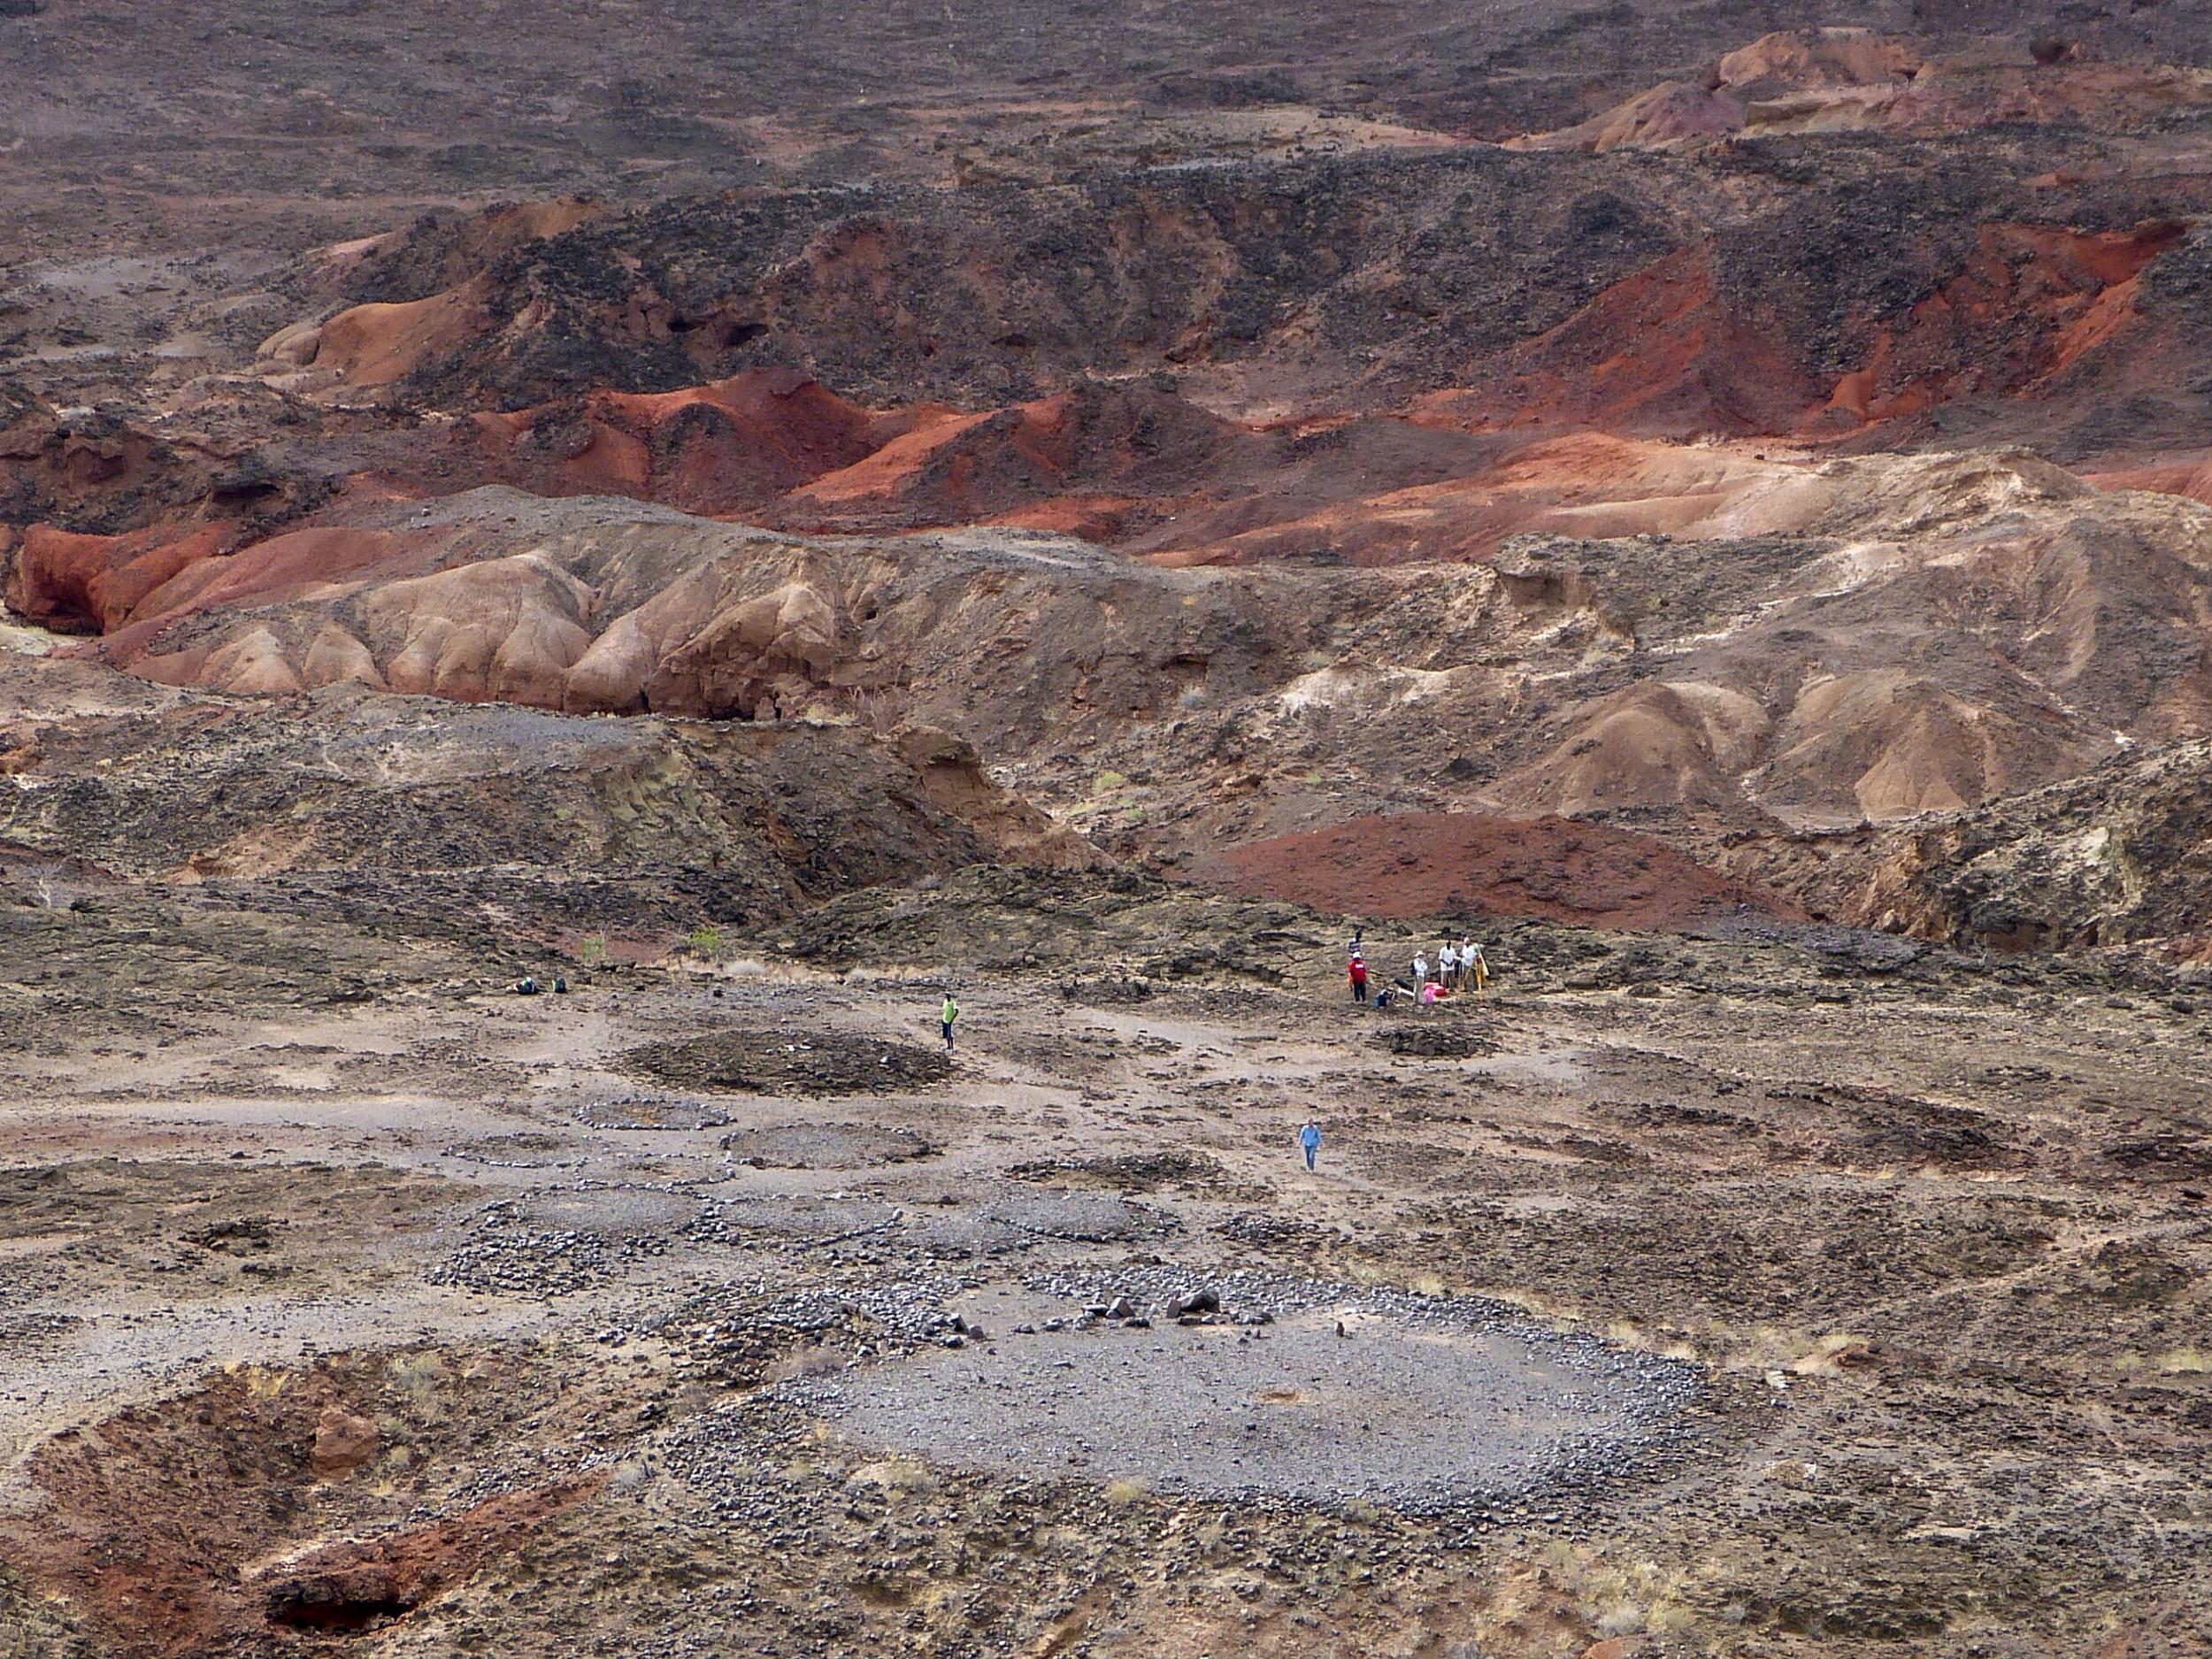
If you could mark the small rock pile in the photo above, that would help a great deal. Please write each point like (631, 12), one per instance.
(1436, 1040)
(790, 1063)
(507, 1256)
(732, 1333)
(1105, 992)
(1264, 1231)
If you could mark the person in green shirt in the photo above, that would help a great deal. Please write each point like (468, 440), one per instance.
(946, 1016)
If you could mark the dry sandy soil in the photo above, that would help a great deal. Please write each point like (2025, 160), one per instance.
(351, 1301)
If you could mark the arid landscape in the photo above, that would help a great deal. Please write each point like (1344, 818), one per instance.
(569, 578)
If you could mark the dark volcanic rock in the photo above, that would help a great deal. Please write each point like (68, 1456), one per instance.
(789, 1062)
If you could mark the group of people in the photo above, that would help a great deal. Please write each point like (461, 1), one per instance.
(1458, 969)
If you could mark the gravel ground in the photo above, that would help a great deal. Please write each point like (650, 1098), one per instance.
(825, 1147)
(1313, 1391)
(864, 1407)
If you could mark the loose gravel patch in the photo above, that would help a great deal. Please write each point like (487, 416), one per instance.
(793, 1221)
(25, 1329)
(1302, 1390)
(558, 1241)
(1129, 1173)
(1080, 1218)
(826, 1146)
(1022, 1221)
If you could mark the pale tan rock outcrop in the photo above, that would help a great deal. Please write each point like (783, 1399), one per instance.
(253, 663)
(505, 628)
(335, 654)
(1817, 642)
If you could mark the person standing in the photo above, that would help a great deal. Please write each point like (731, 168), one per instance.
(1447, 966)
(947, 1016)
(1310, 1142)
(1420, 970)
(1478, 969)
(1356, 971)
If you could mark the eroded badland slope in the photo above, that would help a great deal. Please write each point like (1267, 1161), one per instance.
(568, 580)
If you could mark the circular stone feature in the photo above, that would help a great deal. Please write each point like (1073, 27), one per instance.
(802, 1220)
(788, 1063)
(1435, 1040)
(1426, 1406)
(1079, 1217)
(608, 1210)
(1022, 1221)
(825, 1147)
(650, 1111)
(527, 1148)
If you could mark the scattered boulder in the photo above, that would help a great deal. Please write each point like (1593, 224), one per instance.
(343, 1443)
(1193, 1303)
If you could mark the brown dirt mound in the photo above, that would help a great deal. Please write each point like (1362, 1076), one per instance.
(1124, 443)
(1431, 1041)
(788, 1063)
(1427, 864)
(2025, 305)
(74, 583)
(1696, 368)
(355, 1583)
(379, 344)
(719, 448)
(158, 1516)
(1836, 80)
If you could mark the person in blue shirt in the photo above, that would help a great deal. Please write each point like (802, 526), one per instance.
(1309, 1138)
